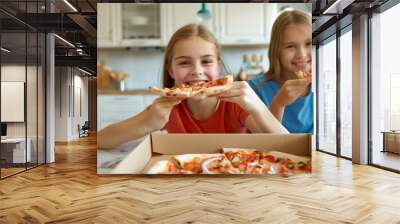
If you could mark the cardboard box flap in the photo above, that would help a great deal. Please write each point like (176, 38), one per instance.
(298, 144)
(136, 160)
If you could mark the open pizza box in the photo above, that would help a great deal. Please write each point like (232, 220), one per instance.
(161, 146)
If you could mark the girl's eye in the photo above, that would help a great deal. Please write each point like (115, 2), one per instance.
(308, 43)
(290, 46)
(183, 63)
(207, 61)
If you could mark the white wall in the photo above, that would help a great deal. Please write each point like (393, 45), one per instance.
(68, 83)
(16, 73)
(61, 103)
(13, 73)
(82, 83)
(80, 96)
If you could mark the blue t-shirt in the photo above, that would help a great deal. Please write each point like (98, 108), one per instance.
(298, 117)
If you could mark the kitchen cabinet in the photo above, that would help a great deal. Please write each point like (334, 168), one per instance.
(114, 108)
(231, 23)
(147, 24)
(178, 15)
(245, 23)
(140, 24)
(106, 32)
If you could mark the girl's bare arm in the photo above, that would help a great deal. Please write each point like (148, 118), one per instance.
(263, 121)
(153, 118)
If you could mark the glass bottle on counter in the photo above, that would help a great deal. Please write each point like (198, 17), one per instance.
(260, 64)
(244, 67)
(250, 69)
(254, 62)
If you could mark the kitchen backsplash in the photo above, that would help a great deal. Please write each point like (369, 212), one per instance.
(144, 65)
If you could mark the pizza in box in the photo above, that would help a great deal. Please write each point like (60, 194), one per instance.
(234, 161)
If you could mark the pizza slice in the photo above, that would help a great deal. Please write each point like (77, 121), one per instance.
(207, 88)
(218, 165)
(257, 168)
(285, 163)
(217, 86)
(165, 167)
(243, 159)
(302, 74)
(192, 162)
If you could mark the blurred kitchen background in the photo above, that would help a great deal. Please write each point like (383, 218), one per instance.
(132, 37)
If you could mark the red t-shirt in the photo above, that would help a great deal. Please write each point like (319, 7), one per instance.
(228, 118)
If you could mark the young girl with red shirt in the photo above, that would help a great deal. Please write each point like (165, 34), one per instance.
(193, 55)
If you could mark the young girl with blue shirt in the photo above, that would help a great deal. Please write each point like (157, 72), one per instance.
(288, 96)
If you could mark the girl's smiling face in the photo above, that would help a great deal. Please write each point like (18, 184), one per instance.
(295, 53)
(194, 60)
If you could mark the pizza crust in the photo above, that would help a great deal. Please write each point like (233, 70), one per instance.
(214, 90)
(302, 74)
(287, 163)
(160, 167)
(158, 91)
(288, 156)
(168, 93)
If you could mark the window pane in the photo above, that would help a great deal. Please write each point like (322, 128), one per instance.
(327, 97)
(346, 94)
(385, 88)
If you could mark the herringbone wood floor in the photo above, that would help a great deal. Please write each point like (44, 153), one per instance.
(70, 191)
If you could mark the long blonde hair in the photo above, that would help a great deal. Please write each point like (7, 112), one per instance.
(281, 23)
(186, 32)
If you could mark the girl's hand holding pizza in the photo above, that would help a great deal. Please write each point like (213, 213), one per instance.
(291, 90)
(160, 110)
(243, 95)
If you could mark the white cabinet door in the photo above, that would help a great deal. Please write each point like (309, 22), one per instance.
(245, 23)
(114, 108)
(180, 14)
(140, 24)
(106, 25)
